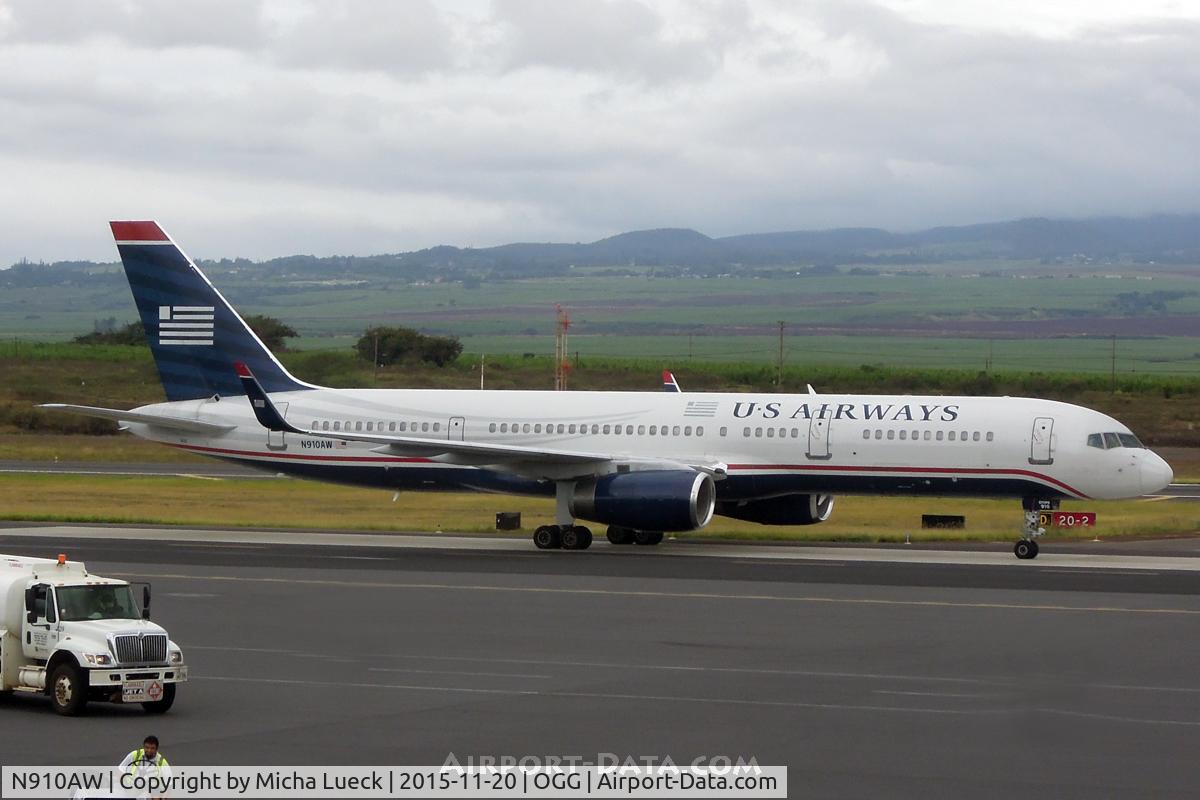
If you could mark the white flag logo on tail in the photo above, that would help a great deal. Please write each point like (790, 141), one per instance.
(187, 325)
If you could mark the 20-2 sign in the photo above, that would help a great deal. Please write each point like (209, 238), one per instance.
(1067, 519)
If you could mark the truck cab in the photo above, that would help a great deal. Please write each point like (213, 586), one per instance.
(78, 637)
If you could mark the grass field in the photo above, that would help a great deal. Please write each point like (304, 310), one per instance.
(285, 503)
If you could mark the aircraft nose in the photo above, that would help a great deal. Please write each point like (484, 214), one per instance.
(1156, 474)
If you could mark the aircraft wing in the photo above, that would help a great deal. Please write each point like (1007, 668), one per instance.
(158, 420)
(519, 458)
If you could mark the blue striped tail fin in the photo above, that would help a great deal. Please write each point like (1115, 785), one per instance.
(195, 335)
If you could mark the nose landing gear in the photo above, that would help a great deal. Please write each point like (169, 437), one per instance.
(1027, 546)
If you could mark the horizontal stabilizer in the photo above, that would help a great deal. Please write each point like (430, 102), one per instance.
(158, 420)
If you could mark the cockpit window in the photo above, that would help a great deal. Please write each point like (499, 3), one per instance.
(1107, 441)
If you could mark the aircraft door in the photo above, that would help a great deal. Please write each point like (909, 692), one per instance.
(41, 635)
(1041, 449)
(276, 440)
(455, 430)
(818, 438)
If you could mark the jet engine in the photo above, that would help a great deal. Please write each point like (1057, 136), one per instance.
(654, 500)
(786, 509)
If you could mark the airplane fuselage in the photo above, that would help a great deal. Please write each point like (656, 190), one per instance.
(762, 444)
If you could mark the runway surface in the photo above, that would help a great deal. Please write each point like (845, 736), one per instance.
(959, 673)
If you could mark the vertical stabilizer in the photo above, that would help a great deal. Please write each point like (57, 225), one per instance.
(195, 335)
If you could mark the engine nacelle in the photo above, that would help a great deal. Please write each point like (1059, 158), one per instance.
(786, 509)
(655, 500)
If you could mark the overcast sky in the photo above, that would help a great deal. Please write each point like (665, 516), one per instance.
(269, 128)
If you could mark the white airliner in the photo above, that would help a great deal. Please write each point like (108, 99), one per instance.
(639, 462)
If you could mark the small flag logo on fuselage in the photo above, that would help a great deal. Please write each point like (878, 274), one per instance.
(186, 325)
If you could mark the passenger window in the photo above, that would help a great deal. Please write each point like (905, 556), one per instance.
(975, 436)
(687, 431)
(337, 426)
(1111, 440)
(525, 428)
(699, 430)
(325, 425)
(795, 433)
(437, 426)
(403, 427)
(663, 431)
(990, 436)
(866, 434)
(641, 430)
(770, 433)
(928, 435)
(891, 435)
(316, 426)
(878, 434)
(964, 436)
(571, 429)
(916, 435)
(951, 436)
(537, 428)
(492, 428)
(392, 427)
(606, 429)
(629, 430)
(939, 436)
(903, 435)
(504, 427)
(562, 428)
(746, 432)
(758, 433)
(675, 431)
(654, 430)
(370, 426)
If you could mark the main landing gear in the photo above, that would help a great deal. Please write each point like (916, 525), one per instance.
(619, 535)
(566, 537)
(1027, 546)
(564, 534)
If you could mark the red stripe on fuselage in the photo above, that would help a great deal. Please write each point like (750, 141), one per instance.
(950, 471)
(919, 470)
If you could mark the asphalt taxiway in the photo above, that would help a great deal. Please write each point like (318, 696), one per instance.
(963, 673)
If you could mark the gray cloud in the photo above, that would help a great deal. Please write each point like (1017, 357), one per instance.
(269, 128)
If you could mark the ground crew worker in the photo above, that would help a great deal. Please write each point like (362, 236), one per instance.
(147, 761)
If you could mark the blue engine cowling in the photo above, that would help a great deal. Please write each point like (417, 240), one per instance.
(787, 509)
(655, 500)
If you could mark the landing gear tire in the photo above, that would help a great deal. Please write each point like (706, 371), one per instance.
(164, 705)
(618, 535)
(576, 537)
(68, 690)
(1026, 549)
(547, 537)
(647, 538)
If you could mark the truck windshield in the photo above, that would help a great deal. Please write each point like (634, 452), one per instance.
(78, 603)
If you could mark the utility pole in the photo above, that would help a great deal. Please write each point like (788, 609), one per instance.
(1114, 364)
(482, 358)
(988, 366)
(375, 359)
(779, 376)
(689, 345)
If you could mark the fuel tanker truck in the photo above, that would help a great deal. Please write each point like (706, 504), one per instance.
(78, 637)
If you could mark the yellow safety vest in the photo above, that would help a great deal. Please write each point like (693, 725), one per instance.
(139, 758)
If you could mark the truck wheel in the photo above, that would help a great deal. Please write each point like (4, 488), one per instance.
(68, 690)
(164, 705)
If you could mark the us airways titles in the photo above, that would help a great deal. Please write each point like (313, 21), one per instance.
(907, 412)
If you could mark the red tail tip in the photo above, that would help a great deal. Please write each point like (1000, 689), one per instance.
(242, 370)
(137, 231)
